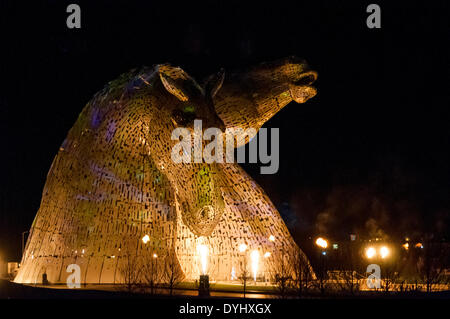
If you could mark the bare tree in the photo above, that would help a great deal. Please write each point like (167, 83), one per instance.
(302, 272)
(130, 270)
(282, 275)
(244, 275)
(432, 262)
(172, 273)
(390, 273)
(345, 277)
(322, 273)
(152, 273)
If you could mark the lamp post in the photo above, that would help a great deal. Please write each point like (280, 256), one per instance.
(323, 244)
(154, 272)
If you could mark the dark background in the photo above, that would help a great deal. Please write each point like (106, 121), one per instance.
(368, 155)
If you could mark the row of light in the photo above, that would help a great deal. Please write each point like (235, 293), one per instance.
(323, 243)
(254, 256)
(383, 252)
(370, 252)
(406, 245)
(203, 252)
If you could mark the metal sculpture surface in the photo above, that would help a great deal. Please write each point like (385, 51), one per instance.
(113, 181)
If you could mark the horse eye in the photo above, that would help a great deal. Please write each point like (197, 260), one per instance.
(189, 109)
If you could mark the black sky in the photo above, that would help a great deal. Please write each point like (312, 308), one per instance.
(369, 154)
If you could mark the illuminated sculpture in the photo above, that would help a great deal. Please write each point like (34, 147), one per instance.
(113, 182)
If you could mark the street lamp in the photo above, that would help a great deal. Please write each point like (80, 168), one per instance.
(370, 252)
(384, 252)
(322, 243)
(154, 266)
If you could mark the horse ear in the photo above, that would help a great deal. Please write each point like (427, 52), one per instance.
(173, 87)
(214, 83)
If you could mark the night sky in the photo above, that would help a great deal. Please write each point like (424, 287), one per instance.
(369, 154)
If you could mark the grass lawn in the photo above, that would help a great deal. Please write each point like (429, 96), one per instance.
(228, 287)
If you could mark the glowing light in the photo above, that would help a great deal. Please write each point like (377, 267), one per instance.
(155, 256)
(419, 245)
(335, 246)
(370, 252)
(406, 246)
(242, 247)
(267, 255)
(145, 239)
(272, 238)
(321, 242)
(203, 251)
(384, 252)
(254, 256)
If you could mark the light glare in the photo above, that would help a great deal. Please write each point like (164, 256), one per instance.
(203, 251)
(254, 256)
(145, 239)
(370, 252)
(321, 242)
(242, 247)
(384, 252)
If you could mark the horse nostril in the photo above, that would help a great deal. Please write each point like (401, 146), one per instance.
(301, 94)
